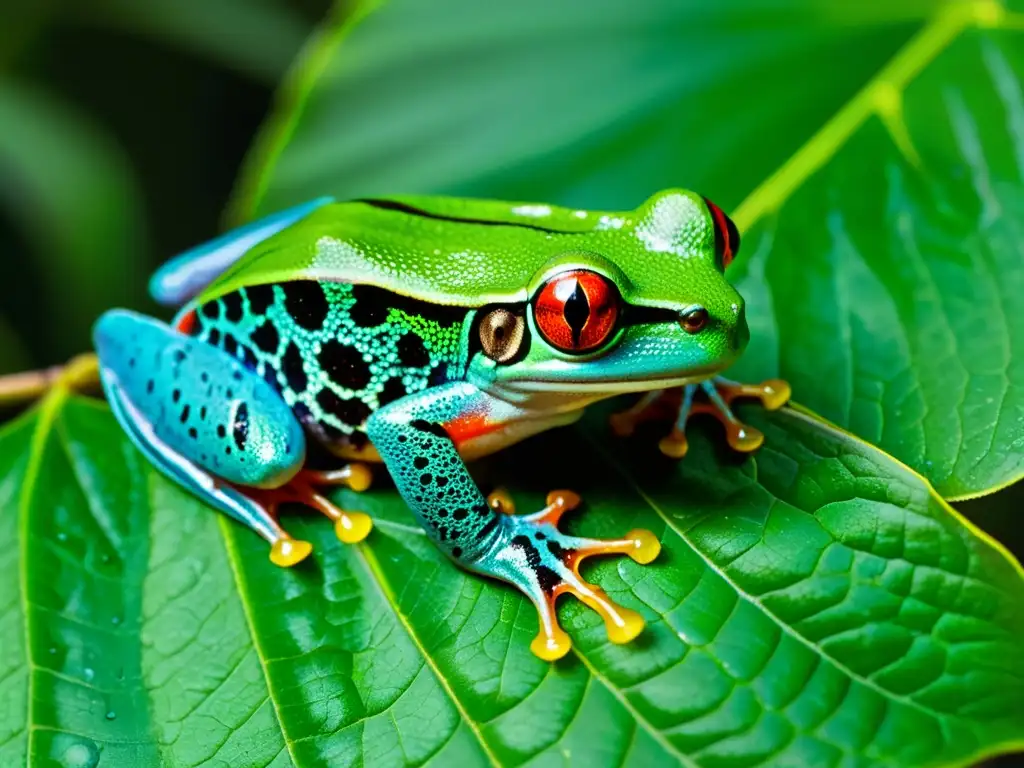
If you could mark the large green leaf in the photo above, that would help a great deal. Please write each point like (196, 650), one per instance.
(889, 287)
(876, 146)
(816, 604)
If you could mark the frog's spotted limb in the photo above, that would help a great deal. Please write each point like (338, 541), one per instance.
(417, 438)
(554, 569)
(210, 424)
(718, 395)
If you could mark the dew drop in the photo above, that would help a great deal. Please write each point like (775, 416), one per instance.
(111, 715)
(115, 620)
(89, 674)
(61, 536)
(82, 754)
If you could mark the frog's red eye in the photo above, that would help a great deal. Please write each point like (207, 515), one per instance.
(727, 237)
(576, 311)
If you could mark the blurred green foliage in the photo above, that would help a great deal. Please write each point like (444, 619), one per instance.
(122, 126)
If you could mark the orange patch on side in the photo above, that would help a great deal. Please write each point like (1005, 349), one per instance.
(188, 323)
(469, 427)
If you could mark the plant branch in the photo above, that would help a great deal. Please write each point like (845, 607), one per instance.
(80, 373)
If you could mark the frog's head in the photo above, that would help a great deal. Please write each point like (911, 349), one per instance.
(643, 304)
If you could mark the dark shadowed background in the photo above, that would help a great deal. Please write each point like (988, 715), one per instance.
(122, 128)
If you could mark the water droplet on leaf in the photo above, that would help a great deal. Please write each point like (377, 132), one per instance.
(83, 754)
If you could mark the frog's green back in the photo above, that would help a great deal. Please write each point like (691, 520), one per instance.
(477, 252)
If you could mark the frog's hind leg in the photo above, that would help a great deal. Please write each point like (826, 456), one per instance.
(203, 420)
(712, 396)
(284, 550)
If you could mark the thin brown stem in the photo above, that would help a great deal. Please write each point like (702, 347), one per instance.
(81, 372)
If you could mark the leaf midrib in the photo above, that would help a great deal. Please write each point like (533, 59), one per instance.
(233, 557)
(381, 582)
(47, 415)
(874, 98)
(369, 562)
(882, 96)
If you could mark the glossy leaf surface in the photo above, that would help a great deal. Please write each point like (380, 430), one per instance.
(816, 603)
(872, 152)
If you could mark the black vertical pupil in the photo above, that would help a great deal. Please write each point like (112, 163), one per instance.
(576, 312)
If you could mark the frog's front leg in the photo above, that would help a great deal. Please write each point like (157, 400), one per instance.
(419, 438)
(713, 396)
(217, 429)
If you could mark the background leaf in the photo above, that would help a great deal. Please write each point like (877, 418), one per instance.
(593, 104)
(12, 354)
(893, 180)
(71, 189)
(813, 604)
(258, 37)
(154, 102)
(896, 269)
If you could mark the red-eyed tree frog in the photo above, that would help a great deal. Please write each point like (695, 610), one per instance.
(423, 332)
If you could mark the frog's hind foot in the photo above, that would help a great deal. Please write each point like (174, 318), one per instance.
(349, 526)
(531, 553)
(713, 396)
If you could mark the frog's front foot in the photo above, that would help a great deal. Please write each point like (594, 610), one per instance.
(714, 396)
(530, 552)
(350, 527)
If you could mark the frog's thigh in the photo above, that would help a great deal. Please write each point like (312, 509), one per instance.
(197, 413)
